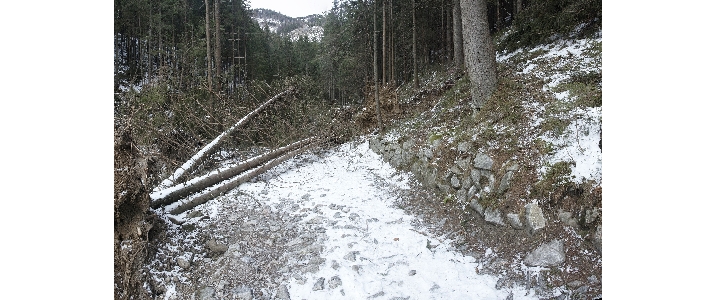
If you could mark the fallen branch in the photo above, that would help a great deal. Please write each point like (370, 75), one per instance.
(184, 205)
(209, 148)
(179, 191)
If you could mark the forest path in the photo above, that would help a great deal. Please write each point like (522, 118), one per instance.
(321, 227)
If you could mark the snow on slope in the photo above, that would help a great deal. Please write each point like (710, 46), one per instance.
(555, 63)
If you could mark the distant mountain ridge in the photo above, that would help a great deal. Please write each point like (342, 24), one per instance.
(309, 26)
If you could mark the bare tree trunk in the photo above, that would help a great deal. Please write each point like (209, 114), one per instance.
(413, 40)
(209, 50)
(217, 49)
(182, 190)
(211, 147)
(376, 75)
(213, 193)
(448, 31)
(499, 22)
(458, 36)
(479, 48)
(391, 42)
(383, 43)
(518, 7)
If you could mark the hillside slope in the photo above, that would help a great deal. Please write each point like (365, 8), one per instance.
(525, 173)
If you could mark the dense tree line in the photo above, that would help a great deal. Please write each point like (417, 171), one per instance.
(216, 46)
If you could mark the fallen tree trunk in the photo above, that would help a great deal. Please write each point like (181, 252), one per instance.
(179, 191)
(211, 147)
(184, 205)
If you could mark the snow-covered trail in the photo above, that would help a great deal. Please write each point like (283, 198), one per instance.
(370, 249)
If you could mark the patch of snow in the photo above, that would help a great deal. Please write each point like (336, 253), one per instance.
(579, 144)
(378, 250)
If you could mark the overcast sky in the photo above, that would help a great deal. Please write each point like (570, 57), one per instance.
(294, 8)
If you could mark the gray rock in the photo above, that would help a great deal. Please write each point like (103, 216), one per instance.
(317, 260)
(576, 283)
(476, 177)
(351, 256)
(444, 188)
(356, 268)
(408, 144)
(353, 216)
(206, 293)
(582, 289)
(566, 218)
(430, 177)
(505, 182)
(493, 216)
(598, 239)
(222, 284)
(335, 265)
(337, 214)
(592, 215)
(534, 217)
(471, 192)
(428, 153)
(474, 204)
(455, 182)
(216, 248)
(182, 262)
(300, 279)
(283, 292)
(514, 221)
(464, 164)
(466, 182)
(334, 282)
(463, 147)
(513, 166)
(242, 292)
(483, 161)
(461, 195)
(319, 285)
(416, 168)
(593, 279)
(412, 272)
(547, 255)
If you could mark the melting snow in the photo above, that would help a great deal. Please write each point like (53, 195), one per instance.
(376, 248)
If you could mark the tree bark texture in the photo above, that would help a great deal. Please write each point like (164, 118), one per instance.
(182, 190)
(413, 42)
(391, 43)
(184, 205)
(458, 36)
(517, 7)
(479, 53)
(217, 48)
(209, 50)
(447, 28)
(383, 43)
(376, 75)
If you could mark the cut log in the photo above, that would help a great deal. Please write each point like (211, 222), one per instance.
(179, 191)
(184, 205)
(211, 147)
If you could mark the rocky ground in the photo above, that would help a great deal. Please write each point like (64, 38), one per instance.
(338, 224)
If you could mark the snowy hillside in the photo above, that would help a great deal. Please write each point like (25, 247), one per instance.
(309, 26)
